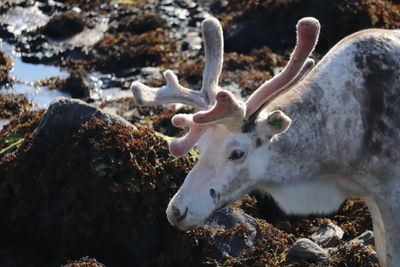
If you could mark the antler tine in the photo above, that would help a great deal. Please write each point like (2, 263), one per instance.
(307, 36)
(305, 69)
(308, 65)
(228, 108)
(213, 42)
(180, 146)
(173, 92)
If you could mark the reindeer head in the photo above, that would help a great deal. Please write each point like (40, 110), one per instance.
(231, 134)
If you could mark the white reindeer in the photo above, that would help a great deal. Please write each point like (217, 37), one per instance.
(342, 141)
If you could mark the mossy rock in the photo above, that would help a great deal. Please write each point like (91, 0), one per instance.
(272, 23)
(123, 50)
(139, 23)
(84, 262)
(13, 104)
(14, 133)
(89, 183)
(64, 25)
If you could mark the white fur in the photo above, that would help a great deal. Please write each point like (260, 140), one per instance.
(313, 197)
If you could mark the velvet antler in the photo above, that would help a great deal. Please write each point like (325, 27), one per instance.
(173, 92)
(307, 36)
(219, 106)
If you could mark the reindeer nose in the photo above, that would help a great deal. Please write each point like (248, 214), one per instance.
(175, 215)
(178, 213)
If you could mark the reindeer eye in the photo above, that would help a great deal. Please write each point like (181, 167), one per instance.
(236, 154)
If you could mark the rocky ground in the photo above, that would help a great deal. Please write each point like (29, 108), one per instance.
(87, 184)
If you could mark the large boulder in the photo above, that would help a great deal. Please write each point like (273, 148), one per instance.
(233, 231)
(89, 183)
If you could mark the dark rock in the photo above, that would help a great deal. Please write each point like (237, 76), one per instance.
(238, 34)
(305, 249)
(217, 6)
(125, 50)
(89, 183)
(140, 23)
(5, 33)
(241, 227)
(272, 23)
(78, 84)
(64, 25)
(73, 113)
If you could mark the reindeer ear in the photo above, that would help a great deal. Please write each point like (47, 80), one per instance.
(274, 123)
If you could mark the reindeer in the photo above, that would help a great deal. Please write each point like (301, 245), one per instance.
(338, 140)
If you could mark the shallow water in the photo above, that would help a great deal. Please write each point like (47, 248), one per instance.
(19, 19)
(3, 123)
(25, 74)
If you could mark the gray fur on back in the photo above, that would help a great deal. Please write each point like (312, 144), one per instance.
(344, 113)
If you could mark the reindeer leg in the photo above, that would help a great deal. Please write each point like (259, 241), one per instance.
(385, 212)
